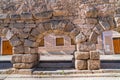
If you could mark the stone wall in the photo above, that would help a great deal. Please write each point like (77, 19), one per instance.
(50, 47)
(25, 23)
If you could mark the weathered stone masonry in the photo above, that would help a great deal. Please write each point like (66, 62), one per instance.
(25, 27)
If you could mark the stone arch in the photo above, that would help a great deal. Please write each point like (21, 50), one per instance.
(26, 49)
(26, 29)
(57, 27)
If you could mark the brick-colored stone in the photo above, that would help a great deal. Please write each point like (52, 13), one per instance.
(81, 64)
(93, 64)
(82, 55)
(94, 55)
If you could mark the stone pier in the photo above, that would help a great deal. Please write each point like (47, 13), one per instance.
(25, 23)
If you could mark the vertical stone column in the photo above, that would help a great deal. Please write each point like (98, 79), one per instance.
(87, 60)
(94, 61)
(26, 60)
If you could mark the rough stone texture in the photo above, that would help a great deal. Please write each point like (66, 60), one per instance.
(87, 46)
(23, 65)
(18, 25)
(29, 50)
(47, 26)
(28, 43)
(15, 41)
(93, 64)
(29, 58)
(34, 32)
(26, 24)
(93, 37)
(30, 25)
(81, 64)
(34, 50)
(82, 55)
(18, 49)
(43, 15)
(80, 38)
(91, 21)
(3, 16)
(104, 23)
(94, 55)
(17, 58)
(91, 12)
(68, 27)
(74, 32)
(27, 29)
(9, 35)
(26, 15)
(60, 13)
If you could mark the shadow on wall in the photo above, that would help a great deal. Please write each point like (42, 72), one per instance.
(110, 64)
(5, 65)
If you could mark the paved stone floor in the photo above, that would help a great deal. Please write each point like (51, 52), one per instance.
(37, 77)
(88, 78)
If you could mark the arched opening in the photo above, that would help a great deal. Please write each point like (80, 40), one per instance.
(56, 44)
(56, 51)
